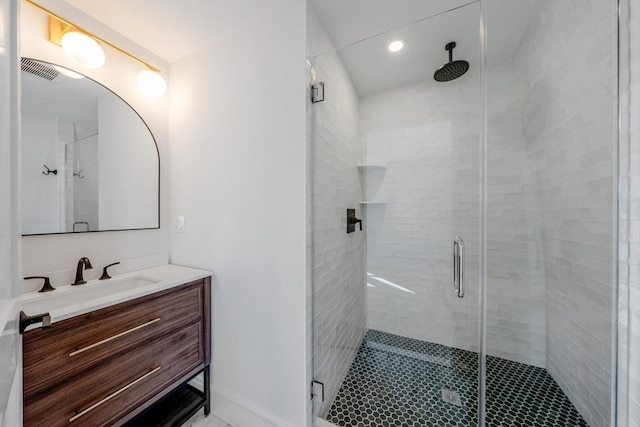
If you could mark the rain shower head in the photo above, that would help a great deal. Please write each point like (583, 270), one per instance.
(452, 69)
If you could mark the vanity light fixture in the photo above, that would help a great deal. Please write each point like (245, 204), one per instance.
(85, 49)
(151, 83)
(82, 49)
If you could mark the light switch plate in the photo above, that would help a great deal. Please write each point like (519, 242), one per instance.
(180, 224)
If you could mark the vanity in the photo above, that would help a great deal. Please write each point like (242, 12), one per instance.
(118, 351)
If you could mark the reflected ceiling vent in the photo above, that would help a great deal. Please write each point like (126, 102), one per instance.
(38, 69)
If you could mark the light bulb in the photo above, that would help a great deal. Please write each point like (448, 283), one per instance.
(67, 72)
(396, 46)
(151, 83)
(82, 49)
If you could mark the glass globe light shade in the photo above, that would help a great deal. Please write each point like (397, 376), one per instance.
(151, 83)
(83, 49)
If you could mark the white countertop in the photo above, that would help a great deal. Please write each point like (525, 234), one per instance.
(70, 301)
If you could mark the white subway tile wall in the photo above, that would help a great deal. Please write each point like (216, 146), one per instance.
(566, 62)
(515, 270)
(427, 135)
(339, 293)
(629, 233)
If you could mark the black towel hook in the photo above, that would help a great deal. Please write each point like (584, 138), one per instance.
(49, 171)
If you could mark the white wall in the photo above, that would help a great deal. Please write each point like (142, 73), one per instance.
(40, 192)
(238, 177)
(60, 253)
(338, 258)
(569, 122)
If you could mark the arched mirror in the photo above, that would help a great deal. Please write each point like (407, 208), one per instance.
(89, 161)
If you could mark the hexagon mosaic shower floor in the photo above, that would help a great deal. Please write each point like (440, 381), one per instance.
(398, 381)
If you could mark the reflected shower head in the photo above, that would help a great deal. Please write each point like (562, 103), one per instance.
(452, 69)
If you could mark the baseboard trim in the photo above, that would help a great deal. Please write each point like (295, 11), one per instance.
(323, 423)
(237, 411)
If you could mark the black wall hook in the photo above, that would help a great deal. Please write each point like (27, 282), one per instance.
(49, 171)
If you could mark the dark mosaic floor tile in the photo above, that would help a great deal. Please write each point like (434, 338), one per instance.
(399, 381)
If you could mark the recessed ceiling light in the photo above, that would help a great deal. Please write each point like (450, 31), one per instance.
(396, 46)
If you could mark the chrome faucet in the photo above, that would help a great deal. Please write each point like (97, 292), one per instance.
(83, 263)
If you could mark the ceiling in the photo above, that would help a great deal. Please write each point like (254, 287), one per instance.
(362, 30)
(424, 25)
(171, 29)
(373, 68)
(349, 21)
(73, 100)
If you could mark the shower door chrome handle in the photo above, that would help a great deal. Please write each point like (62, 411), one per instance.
(458, 266)
(455, 265)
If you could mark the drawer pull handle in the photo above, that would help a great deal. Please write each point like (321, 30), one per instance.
(106, 340)
(114, 394)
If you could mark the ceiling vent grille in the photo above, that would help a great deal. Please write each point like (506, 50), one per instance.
(38, 69)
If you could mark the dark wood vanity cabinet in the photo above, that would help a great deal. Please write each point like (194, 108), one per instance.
(105, 367)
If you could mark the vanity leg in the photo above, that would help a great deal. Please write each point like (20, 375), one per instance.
(207, 391)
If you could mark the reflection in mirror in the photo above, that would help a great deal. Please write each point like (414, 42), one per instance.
(89, 161)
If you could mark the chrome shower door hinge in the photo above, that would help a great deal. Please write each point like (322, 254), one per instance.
(317, 92)
(317, 391)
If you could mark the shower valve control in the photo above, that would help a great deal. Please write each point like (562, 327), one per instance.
(352, 221)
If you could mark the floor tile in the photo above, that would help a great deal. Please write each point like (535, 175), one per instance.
(199, 420)
(399, 381)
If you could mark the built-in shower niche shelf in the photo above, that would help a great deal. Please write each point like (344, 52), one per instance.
(371, 177)
(371, 168)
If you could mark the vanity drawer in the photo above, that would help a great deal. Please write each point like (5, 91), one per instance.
(107, 393)
(72, 346)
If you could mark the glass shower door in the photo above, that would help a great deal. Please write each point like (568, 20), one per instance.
(396, 305)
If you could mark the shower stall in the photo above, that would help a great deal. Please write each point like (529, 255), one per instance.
(482, 288)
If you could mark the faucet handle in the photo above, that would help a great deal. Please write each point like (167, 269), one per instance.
(105, 274)
(25, 321)
(46, 287)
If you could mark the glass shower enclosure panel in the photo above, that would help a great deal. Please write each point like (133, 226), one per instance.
(551, 179)
(396, 297)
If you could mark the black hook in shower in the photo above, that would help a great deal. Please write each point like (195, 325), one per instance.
(49, 171)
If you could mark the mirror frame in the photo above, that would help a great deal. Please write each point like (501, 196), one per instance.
(150, 133)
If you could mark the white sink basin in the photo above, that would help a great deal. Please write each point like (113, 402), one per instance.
(66, 296)
(69, 301)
